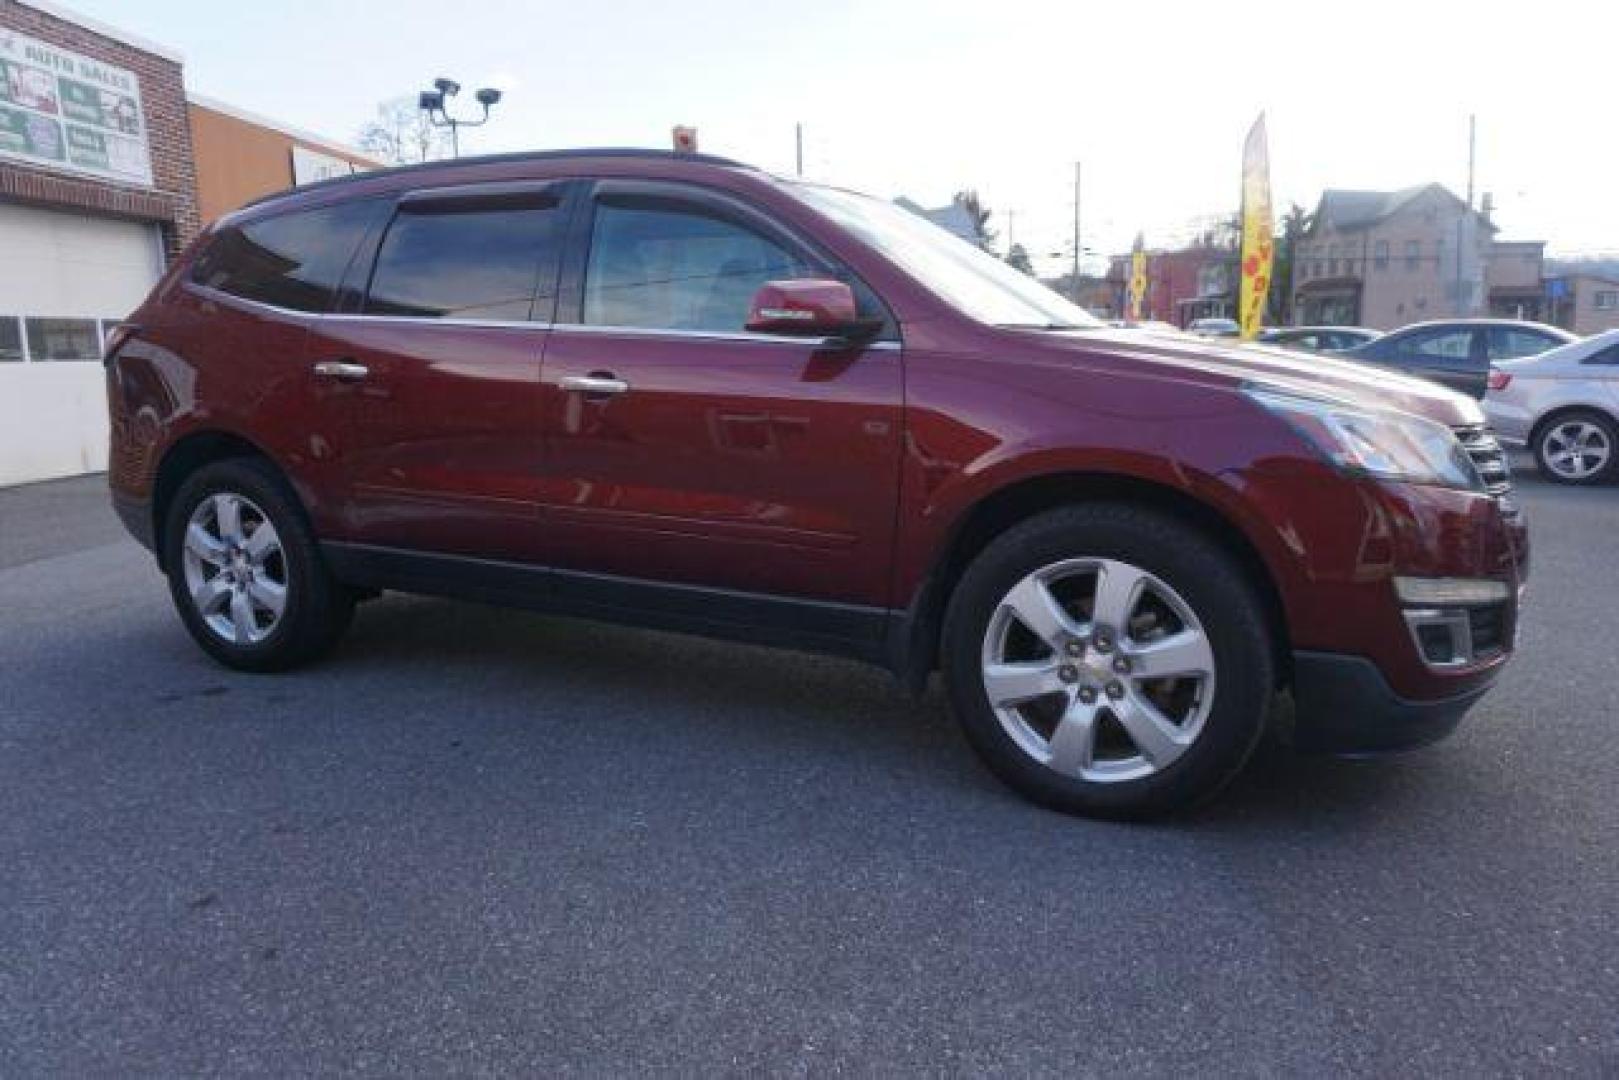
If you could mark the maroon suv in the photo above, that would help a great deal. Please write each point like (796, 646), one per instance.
(679, 392)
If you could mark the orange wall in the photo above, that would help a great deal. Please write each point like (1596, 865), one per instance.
(238, 161)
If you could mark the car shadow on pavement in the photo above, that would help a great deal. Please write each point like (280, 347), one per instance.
(830, 713)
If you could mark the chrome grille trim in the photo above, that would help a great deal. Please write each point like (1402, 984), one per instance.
(1488, 457)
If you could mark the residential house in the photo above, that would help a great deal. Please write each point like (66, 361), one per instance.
(1384, 259)
(952, 218)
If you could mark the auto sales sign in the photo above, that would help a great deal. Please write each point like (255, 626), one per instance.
(62, 110)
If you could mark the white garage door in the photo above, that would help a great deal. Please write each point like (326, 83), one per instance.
(64, 279)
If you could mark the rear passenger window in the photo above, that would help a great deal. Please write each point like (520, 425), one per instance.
(1445, 344)
(1609, 356)
(478, 257)
(660, 264)
(293, 260)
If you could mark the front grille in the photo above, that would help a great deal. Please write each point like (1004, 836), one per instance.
(1488, 457)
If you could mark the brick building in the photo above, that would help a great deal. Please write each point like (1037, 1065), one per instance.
(1191, 283)
(97, 192)
(99, 189)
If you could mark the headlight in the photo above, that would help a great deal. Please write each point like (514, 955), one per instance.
(1374, 442)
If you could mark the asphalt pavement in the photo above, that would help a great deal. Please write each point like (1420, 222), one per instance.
(481, 841)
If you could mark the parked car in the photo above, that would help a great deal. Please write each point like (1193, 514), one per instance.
(1318, 338)
(1151, 325)
(1213, 327)
(1563, 405)
(1458, 352)
(674, 391)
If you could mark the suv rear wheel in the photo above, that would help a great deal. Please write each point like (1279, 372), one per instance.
(1109, 660)
(245, 571)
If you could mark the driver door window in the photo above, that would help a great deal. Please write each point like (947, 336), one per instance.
(677, 267)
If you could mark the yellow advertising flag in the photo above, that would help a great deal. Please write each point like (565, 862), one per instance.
(1138, 281)
(1258, 231)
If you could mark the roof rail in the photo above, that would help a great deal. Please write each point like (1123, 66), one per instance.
(490, 159)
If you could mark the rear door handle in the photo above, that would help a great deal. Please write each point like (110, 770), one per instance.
(346, 370)
(594, 384)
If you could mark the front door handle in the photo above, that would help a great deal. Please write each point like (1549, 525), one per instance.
(345, 370)
(594, 385)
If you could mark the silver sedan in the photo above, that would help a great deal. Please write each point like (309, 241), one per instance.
(1563, 405)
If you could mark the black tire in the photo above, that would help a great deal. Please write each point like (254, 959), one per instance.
(317, 609)
(1604, 423)
(1211, 582)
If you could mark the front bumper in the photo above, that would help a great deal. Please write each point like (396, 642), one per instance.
(1343, 705)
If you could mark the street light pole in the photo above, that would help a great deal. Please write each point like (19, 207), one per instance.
(435, 103)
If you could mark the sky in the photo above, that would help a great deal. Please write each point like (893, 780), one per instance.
(927, 97)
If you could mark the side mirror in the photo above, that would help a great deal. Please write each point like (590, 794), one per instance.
(809, 308)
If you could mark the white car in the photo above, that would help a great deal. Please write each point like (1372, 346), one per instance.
(1214, 327)
(1563, 405)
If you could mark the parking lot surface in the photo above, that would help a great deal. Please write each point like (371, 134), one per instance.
(479, 840)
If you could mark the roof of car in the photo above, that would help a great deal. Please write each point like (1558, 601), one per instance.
(427, 168)
(1556, 331)
(1321, 330)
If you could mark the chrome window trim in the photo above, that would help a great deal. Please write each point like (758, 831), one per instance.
(712, 335)
(232, 300)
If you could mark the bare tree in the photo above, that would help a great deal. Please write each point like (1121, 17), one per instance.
(402, 135)
(1018, 258)
(979, 213)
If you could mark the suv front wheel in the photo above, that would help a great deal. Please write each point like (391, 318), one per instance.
(245, 571)
(1109, 660)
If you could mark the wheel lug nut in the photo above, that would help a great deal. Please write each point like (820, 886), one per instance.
(1068, 673)
(1121, 665)
(1115, 690)
(1075, 648)
(1087, 694)
(1103, 643)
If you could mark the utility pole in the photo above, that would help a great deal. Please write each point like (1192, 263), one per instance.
(798, 139)
(1076, 231)
(1462, 222)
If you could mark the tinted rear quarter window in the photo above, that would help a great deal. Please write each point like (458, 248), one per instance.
(1507, 343)
(474, 257)
(293, 260)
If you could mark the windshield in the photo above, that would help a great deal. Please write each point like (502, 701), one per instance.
(971, 280)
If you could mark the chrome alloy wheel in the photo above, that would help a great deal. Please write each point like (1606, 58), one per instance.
(1576, 449)
(235, 570)
(1098, 670)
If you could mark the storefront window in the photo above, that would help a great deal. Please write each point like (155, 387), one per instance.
(63, 339)
(10, 338)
